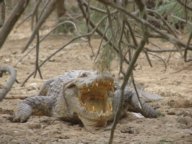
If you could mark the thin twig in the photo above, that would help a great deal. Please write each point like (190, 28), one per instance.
(187, 48)
(37, 69)
(183, 4)
(30, 15)
(45, 36)
(45, 15)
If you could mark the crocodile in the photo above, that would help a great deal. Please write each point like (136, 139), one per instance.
(88, 97)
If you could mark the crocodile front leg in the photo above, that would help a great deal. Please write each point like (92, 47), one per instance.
(143, 108)
(45, 88)
(131, 103)
(37, 105)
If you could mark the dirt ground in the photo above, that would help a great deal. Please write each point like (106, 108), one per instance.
(174, 84)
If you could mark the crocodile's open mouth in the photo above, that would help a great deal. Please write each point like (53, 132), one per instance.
(96, 99)
(93, 98)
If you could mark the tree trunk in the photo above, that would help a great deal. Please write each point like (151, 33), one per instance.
(2, 12)
(12, 19)
(60, 6)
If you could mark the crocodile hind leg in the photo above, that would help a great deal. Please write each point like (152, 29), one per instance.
(37, 105)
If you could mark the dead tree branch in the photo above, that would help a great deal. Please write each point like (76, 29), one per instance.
(12, 19)
(44, 16)
(5, 89)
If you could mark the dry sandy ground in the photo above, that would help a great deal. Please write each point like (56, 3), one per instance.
(174, 84)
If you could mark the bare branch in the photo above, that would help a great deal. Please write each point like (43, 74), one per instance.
(10, 22)
(44, 16)
(10, 82)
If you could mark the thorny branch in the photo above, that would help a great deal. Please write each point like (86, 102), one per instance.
(184, 4)
(130, 68)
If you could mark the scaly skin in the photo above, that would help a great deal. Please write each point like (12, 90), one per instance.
(85, 96)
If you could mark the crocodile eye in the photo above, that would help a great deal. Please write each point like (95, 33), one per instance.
(83, 75)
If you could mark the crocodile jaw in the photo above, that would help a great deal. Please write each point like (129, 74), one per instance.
(93, 99)
(97, 104)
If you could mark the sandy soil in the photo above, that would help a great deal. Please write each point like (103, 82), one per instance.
(173, 84)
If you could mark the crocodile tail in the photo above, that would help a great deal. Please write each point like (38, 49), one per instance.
(143, 108)
(10, 82)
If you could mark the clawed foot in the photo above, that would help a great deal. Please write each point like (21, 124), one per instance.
(22, 113)
(19, 118)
